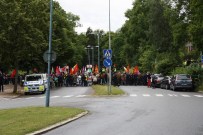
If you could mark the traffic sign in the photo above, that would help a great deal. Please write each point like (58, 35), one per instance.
(107, 53)
(202, 59)
(46, 55)
(107, 63)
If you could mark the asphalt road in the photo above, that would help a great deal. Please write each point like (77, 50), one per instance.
(143, 111)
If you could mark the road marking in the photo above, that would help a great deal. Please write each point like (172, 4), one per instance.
(133, 95)
(54, 96)
(185, 95)
(81, 95)
(159, 95)
(146, 95)
(170, 95)
(198, 95)
(42, 97)
(175, 95)
(30, 98)
(68, 96)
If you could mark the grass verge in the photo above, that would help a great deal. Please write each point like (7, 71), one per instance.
(103, 90)
(20, 121)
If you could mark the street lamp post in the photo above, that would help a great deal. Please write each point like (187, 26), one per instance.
(98, 36)
(92, 55)
(88, 51)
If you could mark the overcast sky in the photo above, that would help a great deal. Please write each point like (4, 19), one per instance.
(95, 13)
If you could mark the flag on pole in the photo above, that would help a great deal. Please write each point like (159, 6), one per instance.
(125, 69)
(96, 70)
(13, 73)
(136, 70)
(57, 71)
(128, 68)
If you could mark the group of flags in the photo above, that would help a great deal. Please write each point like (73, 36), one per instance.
(75, 69)
(66, 69)
(135, 70)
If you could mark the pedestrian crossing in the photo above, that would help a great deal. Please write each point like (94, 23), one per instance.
(43, 97)
(165, 95)
(130, 95)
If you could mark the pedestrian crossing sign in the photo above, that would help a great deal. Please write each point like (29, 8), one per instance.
(107, 53)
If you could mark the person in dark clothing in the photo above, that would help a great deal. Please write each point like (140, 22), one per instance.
(148, 80)
(1, 82)
(153, 82)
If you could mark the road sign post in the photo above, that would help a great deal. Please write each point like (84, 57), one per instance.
(107, 63)
(107, 53)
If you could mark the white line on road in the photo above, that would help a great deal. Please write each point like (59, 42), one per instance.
(170, 95)
(68, 96)
(81, 95)
(29, 97)
(133, 95)
(159, 95)
(185, 95)
(146, 95)
(198, 95)
(54, 96)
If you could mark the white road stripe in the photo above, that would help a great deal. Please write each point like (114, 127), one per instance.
(185, 95)
(42, 97)
(146, 95)
(198, 95)
(30, 98)
(54, 96)
(170, 95)
(175, 95)
(159, 95)
(67, 96)
(81, 96)
(133, 95)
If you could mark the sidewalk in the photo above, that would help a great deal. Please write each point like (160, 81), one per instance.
(8, 91)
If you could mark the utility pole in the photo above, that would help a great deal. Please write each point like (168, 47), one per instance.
(49, 55)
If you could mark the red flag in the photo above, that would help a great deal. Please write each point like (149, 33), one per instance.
(71, 71)
(136, 70)
(96, 70)
(128, 68)
(75, 69)
(57, 71)
(13, 73)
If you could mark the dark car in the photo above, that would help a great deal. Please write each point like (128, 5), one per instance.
(157, 78)
(165, 83)
(181, 82)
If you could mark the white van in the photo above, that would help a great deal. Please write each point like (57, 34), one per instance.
(35, 83)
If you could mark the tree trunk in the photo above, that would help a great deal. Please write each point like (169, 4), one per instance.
(16, 79)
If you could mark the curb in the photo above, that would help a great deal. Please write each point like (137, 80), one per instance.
(39, 132)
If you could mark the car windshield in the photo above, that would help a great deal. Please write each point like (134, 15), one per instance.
(33, 78)
(183, 77)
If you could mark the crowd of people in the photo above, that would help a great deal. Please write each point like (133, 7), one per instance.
(66, 79)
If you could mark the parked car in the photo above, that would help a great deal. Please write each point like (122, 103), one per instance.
(181, 82)
(157, 79)
(165, 83)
